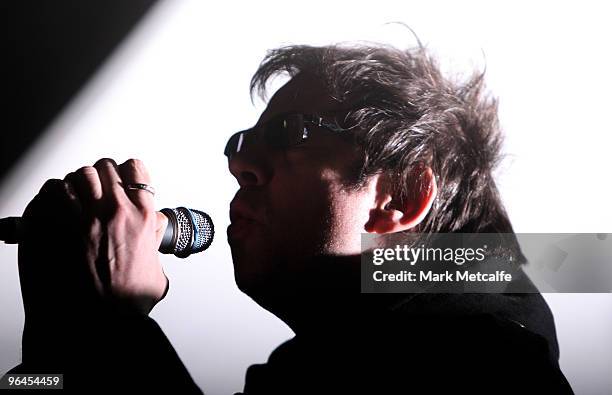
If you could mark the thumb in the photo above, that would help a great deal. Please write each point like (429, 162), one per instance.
(160, 227)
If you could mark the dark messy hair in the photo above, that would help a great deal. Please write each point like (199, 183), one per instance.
(405, 113)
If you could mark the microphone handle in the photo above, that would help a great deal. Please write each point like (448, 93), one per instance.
(12, 230)
(188, 231)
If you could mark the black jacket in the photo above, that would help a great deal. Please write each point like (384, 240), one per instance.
(428, 343)
(386, 344)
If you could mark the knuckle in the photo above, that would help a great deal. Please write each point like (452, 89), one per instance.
(46, 196)
(134, 168)
(69, 182)
(55, 188)
(70, 176)
(69, 190)
(105, 162)
(51, 185)
(135, 163)
(87, 171)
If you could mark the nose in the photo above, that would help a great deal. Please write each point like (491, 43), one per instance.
(250, 167)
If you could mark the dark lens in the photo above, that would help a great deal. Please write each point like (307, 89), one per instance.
(296, 132)
(275, 132)
(233, 144)
(284, 131)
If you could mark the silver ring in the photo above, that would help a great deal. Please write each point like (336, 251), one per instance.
(140, 187)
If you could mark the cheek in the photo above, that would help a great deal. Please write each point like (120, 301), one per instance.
(350, 214)
(313, 211)
(303, 202)
(350, 211)
(301, 211)
(329, 218)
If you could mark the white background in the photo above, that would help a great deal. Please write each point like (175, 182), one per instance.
(178, 87)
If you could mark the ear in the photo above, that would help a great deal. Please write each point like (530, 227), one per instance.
(390, 214)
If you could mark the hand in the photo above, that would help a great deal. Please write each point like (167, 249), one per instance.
(95, 243)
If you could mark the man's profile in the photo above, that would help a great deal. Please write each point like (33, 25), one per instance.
(361, 139)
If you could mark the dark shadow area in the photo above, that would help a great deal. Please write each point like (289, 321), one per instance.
(49, 51)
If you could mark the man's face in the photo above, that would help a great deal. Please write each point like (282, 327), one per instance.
(293, 204)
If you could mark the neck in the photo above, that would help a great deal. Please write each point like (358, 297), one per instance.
(329, 290)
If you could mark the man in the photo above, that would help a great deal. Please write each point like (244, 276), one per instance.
(362, 139)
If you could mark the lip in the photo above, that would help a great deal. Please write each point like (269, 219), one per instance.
(237, 215)
(241, 227)
(244, 218)
(241, 211)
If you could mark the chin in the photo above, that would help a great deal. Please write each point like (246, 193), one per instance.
(244, 285)
(249, 276)
(255, 288)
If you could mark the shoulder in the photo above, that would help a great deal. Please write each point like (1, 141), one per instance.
(396, 353)
(473, 353)
(500, 312)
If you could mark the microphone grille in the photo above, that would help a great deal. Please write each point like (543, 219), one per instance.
(205, 228)
(195, 231)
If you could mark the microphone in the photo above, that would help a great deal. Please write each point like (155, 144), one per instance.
(188, 232)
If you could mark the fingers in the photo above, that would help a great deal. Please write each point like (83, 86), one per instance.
(103, 186)
(133, 171)
(161, 224)
(51, 216)
(54, 193)
(87, 185)
(113, 191)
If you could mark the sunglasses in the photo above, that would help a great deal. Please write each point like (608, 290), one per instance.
(281, 132)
